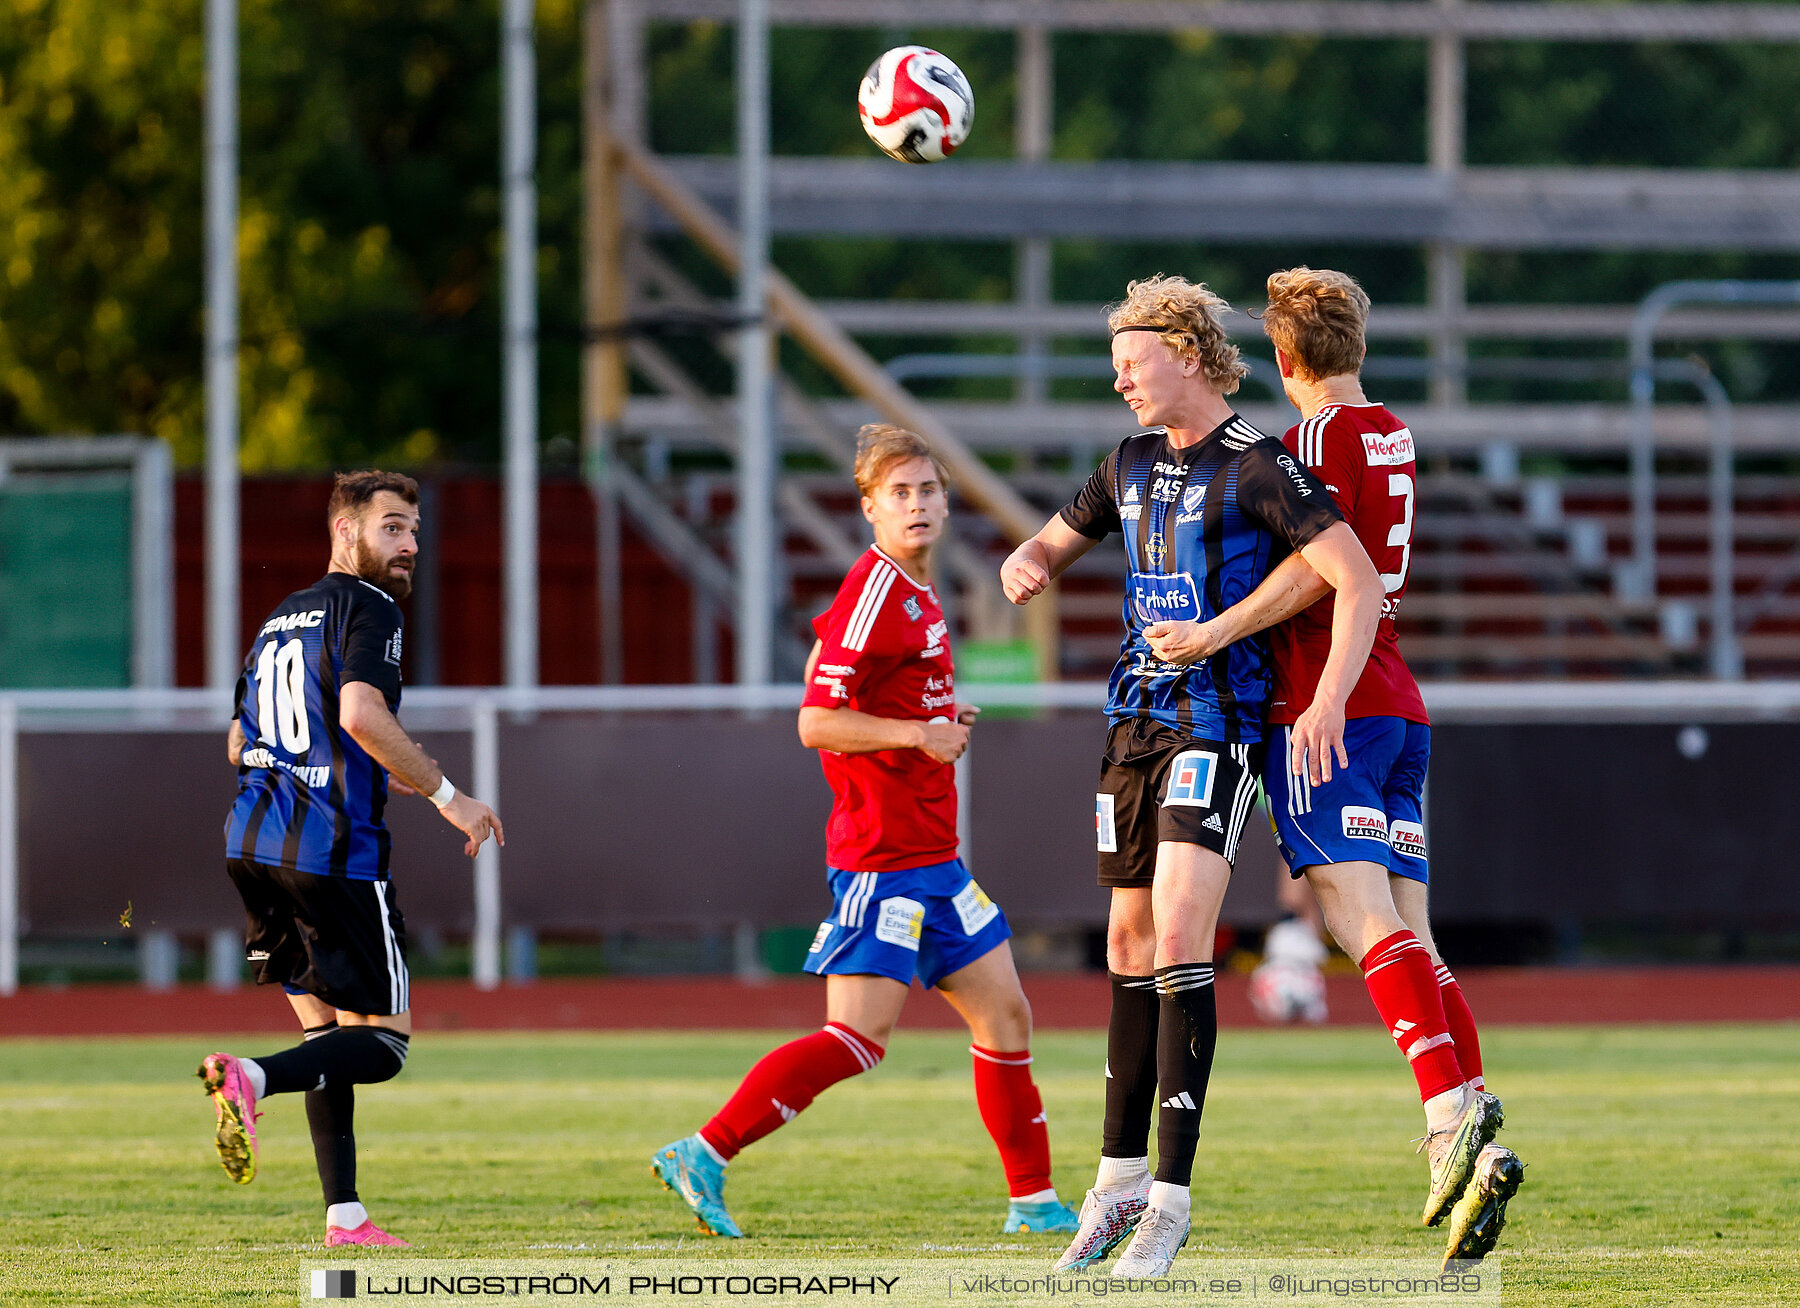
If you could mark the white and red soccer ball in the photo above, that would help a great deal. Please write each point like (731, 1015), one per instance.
(1288, 992)
(1289, 987)
(916, 104)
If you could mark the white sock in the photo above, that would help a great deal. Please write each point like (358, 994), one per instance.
(346, 1217)
(1037, 1197)
(258, 1078)
(1167, 1197)
(1441, 1111)
(1121, 1173)
(717, 1157)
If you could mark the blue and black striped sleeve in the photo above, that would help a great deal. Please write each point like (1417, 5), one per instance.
(371, 650)
(1094, 512)
(1287, 500)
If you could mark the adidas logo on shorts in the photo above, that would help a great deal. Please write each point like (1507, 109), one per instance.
(1182, 1100)
(1212, 823)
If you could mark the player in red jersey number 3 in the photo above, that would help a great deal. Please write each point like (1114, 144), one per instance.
(881, 710)
(1359, 838)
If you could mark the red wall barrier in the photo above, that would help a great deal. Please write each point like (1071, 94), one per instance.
(1501, 996)
(284, 548)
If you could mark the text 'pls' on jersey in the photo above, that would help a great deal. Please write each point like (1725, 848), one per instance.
(309, 797)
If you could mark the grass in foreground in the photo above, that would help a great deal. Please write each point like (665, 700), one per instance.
(1664, 1161)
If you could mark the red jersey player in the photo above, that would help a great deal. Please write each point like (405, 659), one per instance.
(1359, 839)
(881, 710)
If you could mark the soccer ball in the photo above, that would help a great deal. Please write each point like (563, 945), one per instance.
(1288, 992)
(915, 104)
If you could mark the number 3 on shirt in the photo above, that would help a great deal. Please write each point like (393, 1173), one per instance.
(1400, 486)
(281, 696)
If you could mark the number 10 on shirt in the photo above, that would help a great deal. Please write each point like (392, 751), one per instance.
(281, 695)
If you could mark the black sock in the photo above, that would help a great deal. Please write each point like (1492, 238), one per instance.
(350, 1055)
(1130, 1066)
(1184, 1058)
(331, 1114)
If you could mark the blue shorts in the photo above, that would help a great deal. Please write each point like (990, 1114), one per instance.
(925, 921)
(1371, 812)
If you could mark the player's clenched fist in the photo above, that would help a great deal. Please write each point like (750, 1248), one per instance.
(944, 741)
(1181, 642)
(1024, 575)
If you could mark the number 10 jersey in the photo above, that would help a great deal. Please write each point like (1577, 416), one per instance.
(1365, 457)
(309, 797)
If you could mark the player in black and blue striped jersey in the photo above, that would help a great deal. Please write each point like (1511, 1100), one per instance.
(315, 740)
(309, 799)
(1207, 506)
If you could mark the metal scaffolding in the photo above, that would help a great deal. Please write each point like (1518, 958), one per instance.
(224, 658)
(519, 340)
(758, 453)
(1441, 203)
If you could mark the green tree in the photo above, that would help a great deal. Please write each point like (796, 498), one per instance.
(99, 218)
(368, 233)
(370, 198)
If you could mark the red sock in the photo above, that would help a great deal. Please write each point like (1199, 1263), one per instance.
(1400, 980)
(1462, 1026)
(1013, 1113)
(788, 1079)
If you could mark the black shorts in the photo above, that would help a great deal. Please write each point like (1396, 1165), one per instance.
(340, 939)
(1157, 784)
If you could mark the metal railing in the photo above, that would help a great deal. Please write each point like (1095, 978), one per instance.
(834, 350)
(1634, 581)
(478, 709)
(1644, 374)
(1418, 19)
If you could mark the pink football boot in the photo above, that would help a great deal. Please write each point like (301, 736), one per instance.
(367, 1233)
(224, 1079)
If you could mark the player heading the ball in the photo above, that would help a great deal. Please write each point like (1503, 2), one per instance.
(315, 742)
(1359, 837)
(881, 709)
(1206, 505)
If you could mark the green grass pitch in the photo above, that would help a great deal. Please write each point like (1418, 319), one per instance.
(1664, 1161)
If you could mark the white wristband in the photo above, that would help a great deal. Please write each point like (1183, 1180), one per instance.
(443, 794)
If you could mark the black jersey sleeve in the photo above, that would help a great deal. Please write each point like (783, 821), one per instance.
(1094, 512)
(1275, 490)
(371, 650)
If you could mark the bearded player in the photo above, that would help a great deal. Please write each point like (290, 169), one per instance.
(881, 709)
(315, 740)
(1359, 839)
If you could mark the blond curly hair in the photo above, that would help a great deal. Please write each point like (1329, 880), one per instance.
(1193, 318)
(1318, 318)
